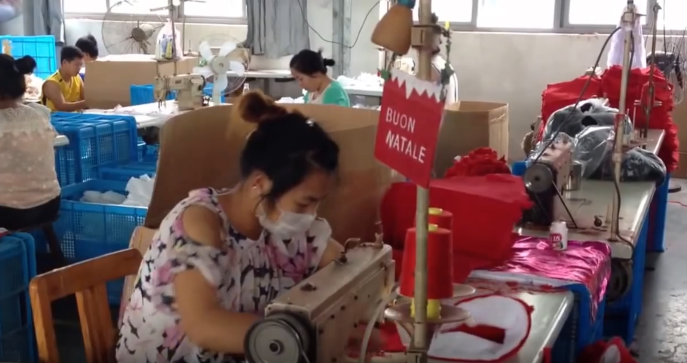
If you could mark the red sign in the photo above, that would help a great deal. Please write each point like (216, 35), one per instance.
(408, 126)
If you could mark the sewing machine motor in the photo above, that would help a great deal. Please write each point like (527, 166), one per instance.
(312, 322)
(545, 180)
(188, 87)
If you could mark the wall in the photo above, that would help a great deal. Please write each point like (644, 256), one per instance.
(504, 67)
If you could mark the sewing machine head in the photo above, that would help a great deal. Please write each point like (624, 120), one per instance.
(316, 317)
(545, 181)
(188, 87)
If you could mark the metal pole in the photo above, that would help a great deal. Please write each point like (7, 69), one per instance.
(627, 25)
(652, 70)
(420, 338)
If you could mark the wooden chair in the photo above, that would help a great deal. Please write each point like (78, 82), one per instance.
(87, 281)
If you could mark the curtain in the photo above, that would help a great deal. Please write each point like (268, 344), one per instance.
(277, 28)
(48, 18)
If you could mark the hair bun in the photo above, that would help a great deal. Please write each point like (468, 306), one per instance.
(25, 64)
(255, 107)
(328, 62)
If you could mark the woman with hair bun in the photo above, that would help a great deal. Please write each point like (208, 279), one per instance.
(29, 191)
(309, 68)
(220, 257)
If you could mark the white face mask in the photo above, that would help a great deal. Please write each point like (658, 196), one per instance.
(288, 225)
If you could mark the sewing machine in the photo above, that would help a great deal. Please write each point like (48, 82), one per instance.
(313, 321)
(545, 181)
(189, 89)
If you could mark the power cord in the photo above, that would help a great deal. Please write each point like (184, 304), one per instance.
(357, 37)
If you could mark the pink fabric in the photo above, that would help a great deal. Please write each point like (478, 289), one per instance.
(586, 263)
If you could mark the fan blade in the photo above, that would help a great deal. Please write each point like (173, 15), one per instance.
(237, 67)
(205, 51)
(226, 49)
(220, 84)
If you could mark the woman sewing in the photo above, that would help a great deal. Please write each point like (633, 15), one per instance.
(309, 68)
(221, 256)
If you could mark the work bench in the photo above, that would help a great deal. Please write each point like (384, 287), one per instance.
(629, 256)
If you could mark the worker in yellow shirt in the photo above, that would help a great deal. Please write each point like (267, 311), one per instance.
(64, 91)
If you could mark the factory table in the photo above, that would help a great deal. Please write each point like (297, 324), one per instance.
(146, 115)
(364, 91)
(551, 310)
(592, 200)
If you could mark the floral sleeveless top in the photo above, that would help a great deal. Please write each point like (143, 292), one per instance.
(247, 275)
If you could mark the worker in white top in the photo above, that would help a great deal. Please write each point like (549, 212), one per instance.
(438, 65)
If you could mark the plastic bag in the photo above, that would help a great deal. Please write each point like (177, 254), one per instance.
(637, 165)
(592, 147)
(572, 120)
(168, 44)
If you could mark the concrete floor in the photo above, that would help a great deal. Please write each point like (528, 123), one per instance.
(662, 331)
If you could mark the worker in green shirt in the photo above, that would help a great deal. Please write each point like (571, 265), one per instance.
(309, 68)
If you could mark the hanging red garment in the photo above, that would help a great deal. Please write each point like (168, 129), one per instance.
(660, 118)
(563, 94)
(559, 95)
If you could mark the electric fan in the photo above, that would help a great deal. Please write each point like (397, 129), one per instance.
(217, 66)
(125, 33)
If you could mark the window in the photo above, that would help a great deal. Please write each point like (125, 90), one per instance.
(601, 12)
(454, 11)
(138, 7)
(85, 6)
(673, 16)
(193, 9)
(510, 14)
(215, 9)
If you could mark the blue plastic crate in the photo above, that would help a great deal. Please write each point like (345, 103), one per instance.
(142, 94)
(94, 141)
(657, 218)
(17, 267)
(126, 172)
(90, 230)
(41, 48)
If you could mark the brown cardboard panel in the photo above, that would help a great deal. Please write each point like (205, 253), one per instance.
(469, 125)
(680, 120)
(201, 148)
(681, 172)
(108, 80)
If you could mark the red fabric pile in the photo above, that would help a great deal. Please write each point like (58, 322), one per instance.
(559, 95)
(479, 162)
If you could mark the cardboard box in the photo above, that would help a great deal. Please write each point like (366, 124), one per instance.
(680, 120)
(201, 148)
(681, 171)
(469, 125)
(108, 80)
